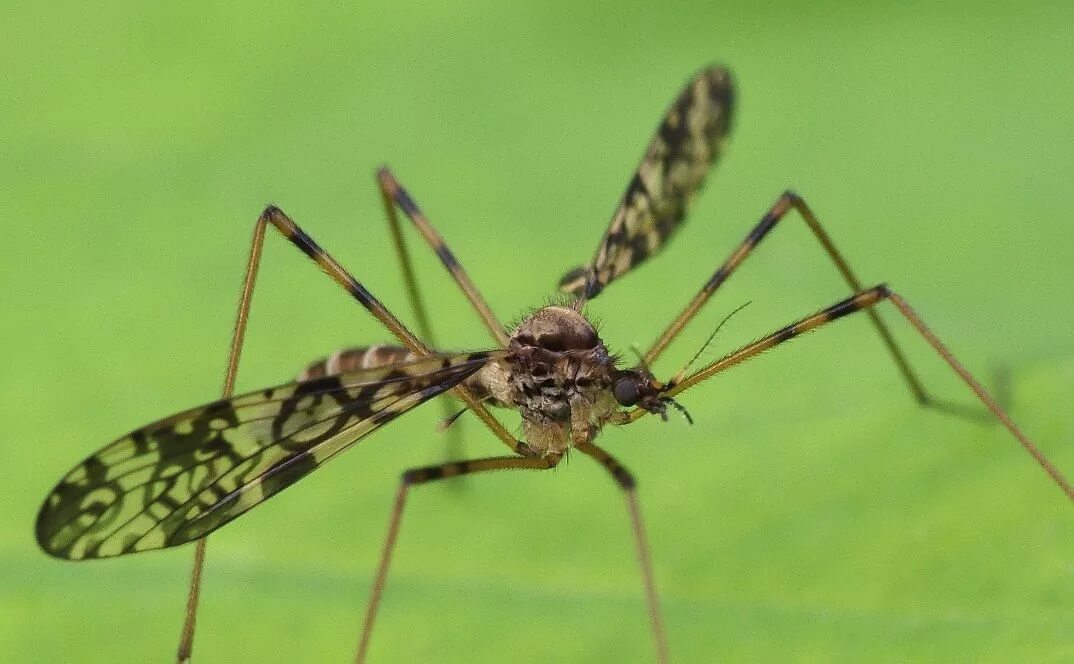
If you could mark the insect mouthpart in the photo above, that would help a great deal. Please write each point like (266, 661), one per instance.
(679, 407)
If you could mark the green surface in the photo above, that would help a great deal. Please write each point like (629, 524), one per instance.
(812, 514)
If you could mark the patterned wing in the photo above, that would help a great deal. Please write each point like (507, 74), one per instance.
(179, 479)
(680, 154)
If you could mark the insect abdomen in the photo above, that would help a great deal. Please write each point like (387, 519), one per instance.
(381, 355)
(357, 357)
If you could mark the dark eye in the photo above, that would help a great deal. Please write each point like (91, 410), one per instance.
(626, 392)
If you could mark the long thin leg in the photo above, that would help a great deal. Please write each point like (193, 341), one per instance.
(394, 192)
(788, 201)
(626, 482)
(984, 396)
(406, 267)
(186, 637)
(306, 244)
(858, 302)
(412, 478)
(417, 305)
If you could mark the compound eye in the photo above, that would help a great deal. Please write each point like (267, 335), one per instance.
(626, 392)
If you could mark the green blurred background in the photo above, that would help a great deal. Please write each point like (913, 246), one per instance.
(814, 513)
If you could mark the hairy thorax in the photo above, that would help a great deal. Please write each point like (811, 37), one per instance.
(558, 374)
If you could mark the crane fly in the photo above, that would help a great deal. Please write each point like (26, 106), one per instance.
(178, 479)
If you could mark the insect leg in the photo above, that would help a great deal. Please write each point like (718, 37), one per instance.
(787, 202)
(390, 197)
(186, 638)
(308, 246)
(626, 482)
(985, 397)
(412, 478)
(394, 194)
(863, 301)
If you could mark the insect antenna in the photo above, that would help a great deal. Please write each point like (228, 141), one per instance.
(682, 372)
(641, 357)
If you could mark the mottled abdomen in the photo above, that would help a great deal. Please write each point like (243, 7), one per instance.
(358, 357)
(381, 355)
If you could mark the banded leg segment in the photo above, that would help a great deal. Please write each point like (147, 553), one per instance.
(406, 267)
(787, 202)
(626, 482)
(308, 246)
(394, 194)
(422, 475)
(298, 237)
(864, 301)
(186, 637)
(858, 302)
(417, 303)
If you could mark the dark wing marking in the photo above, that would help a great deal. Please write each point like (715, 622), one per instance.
(680, 154)
(179, 479)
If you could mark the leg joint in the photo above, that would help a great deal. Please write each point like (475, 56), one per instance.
(433, 473)
(623, 477)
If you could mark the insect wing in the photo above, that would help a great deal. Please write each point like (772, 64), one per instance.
(182, 477)
(680, 154)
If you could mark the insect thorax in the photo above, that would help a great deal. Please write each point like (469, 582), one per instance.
(559, 375)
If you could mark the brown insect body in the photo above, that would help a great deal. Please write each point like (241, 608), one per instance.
(557, 373)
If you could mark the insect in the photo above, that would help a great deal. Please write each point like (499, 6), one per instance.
(178, 479)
